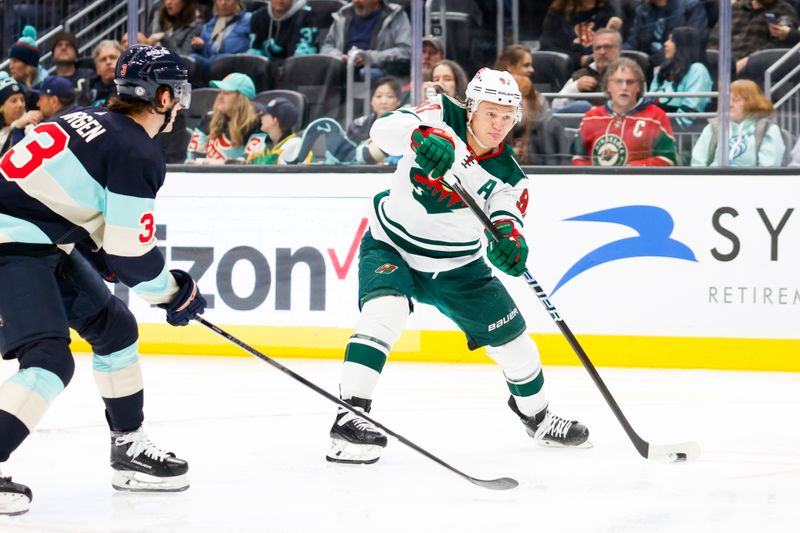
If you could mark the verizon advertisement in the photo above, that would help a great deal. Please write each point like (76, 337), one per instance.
(684, 256)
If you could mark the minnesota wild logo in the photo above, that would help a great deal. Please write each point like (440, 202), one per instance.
(434, 195)
(386, 268)
(610, 151)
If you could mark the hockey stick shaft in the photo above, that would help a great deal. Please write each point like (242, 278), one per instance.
(494, 484)
(642, 446)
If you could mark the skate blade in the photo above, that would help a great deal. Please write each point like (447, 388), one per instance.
(343, 451)
(553, 444)
(130, 481)
(12, 504)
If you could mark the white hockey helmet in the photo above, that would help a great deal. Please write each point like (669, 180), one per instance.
(496, 86)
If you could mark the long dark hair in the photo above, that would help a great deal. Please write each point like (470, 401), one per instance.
(185, 16)
(688, 50)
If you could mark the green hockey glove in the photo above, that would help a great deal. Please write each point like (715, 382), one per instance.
(510, 252)
(435, 150)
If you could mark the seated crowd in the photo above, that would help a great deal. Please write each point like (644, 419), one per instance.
(617, 51)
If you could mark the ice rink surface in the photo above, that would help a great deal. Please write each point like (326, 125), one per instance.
(256, 442)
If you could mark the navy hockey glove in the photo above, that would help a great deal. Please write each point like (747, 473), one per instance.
(187, 304)
(98, 259)
(510, 252)
(435, 150)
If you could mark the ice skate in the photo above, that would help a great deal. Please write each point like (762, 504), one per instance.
(140, 466)
(548, 429)
(354, 440)
(15, 498)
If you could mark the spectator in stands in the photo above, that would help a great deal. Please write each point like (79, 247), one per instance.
(12, 111)
(539, 139)
(282, 144)
(174, 26)
(57, 96)
(24, 64)
(753, 29)
(228, 32)
(570, 26)
(684, 70)
(223, 136)
(449, 78)
(284, 28)
(516, 59)
(655, 20)
(379, 28)
(432, 53)
(606, 47)
(65, 59)
(105, 55)
(755, 140)
(385, 98)
(627, 130)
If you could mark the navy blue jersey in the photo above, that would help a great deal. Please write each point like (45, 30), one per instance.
(90, 173)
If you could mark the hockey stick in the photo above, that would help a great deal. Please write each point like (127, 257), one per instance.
(675, 452)
(503, 483)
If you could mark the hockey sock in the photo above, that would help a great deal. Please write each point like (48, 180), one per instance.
(522, 368)
(113, 335)
(381, 322)
(46, 367)
(118, 376)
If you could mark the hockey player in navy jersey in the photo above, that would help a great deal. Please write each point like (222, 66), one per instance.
(424, 244)
(90, 176)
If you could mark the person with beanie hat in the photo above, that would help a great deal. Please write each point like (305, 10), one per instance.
(24, 59)
(65, 52)
(12, 110)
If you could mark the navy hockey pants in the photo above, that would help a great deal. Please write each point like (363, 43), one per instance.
(41, 297)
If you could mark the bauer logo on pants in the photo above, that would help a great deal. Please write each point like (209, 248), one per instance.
(653, 225)
(386, 268)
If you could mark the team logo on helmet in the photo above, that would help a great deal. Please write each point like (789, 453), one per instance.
(610, 151)
(386, 268)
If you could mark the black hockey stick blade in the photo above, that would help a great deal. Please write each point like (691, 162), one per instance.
(503, 483)
(673, 453)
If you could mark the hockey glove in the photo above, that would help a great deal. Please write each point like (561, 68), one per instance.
(435, 150)
(98, 259)
(510, 252)
(187, 304)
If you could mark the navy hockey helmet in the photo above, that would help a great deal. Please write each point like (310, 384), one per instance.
(142, 69)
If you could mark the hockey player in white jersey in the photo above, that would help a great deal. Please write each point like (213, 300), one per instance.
(424, 244)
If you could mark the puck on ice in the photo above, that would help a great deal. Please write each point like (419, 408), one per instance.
(678, 457)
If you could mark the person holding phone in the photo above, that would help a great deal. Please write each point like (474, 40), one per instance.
(759, 25)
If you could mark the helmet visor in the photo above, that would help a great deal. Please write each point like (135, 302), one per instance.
(183, 94)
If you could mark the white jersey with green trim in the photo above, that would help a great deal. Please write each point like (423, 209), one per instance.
(427, 223)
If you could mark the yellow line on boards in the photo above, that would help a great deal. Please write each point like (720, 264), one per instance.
(451, 347)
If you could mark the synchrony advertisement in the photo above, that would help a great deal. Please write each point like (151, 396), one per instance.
(683, 271)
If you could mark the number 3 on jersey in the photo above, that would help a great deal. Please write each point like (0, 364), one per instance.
(45, 142)
(149, 223)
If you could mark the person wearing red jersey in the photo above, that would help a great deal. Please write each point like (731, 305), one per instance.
(626, 130)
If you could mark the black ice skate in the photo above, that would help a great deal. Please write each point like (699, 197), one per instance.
(548, 429)
(140, 466)
(15, 498)
(354, 439)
